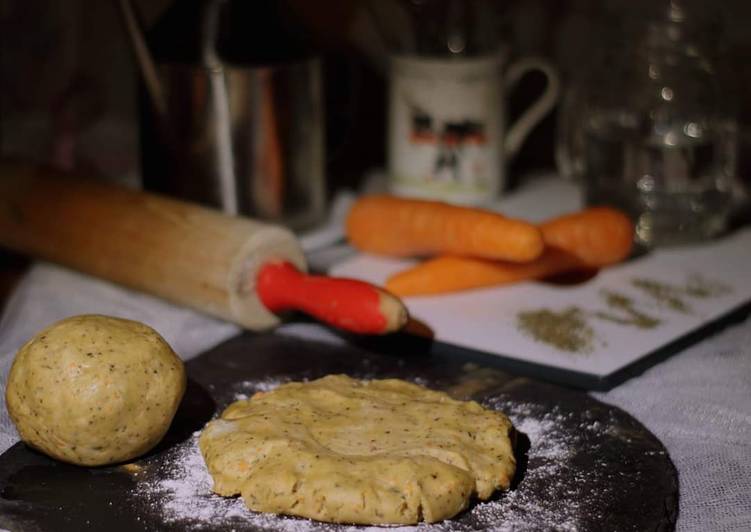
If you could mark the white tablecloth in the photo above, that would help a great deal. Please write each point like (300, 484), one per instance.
(698, 402)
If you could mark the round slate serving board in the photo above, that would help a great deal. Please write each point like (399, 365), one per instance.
(582, 465)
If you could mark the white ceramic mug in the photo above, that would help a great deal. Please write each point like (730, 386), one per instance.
(447, 133)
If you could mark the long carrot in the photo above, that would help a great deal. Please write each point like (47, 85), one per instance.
(450, 273)
(393, 226)
(592, 238)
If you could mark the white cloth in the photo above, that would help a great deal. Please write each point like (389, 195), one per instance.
(698, 402)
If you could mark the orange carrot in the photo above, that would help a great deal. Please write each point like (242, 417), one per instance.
(393, 226)
(591, 238)
(597, 236)
(451, 273)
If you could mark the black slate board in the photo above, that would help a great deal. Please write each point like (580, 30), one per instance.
(637, 489)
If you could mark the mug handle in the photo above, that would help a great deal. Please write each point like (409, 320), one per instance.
(531, 117)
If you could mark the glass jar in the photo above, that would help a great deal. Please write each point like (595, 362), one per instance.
(649, 129)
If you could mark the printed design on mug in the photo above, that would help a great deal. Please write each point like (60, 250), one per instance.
(444, 130)
(458, 147)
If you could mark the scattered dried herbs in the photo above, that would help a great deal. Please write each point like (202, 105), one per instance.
(566, 330)
(673, 296)
(569, 330)
(665, 294)
(698, 286)
(621, 302)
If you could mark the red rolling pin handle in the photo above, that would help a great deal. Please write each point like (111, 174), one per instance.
(348, 304)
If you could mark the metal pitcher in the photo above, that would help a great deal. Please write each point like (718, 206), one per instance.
(248, 139)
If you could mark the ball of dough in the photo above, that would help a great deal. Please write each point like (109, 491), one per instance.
(94, 390)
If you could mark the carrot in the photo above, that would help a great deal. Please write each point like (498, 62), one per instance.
(450, 273)
(598, 236)
(592, 238)
(393, 226)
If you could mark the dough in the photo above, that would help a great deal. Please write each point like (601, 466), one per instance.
(94, 390)
(369, 452)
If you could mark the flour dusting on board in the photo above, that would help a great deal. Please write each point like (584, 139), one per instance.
(178, 486)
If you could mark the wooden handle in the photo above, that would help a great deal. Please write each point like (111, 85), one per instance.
(355, 306)
(179, 251)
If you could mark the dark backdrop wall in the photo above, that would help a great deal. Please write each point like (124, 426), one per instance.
(68, 80)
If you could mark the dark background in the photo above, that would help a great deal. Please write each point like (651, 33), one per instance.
(68, 82)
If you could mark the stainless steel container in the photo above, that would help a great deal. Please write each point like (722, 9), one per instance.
(248, 139)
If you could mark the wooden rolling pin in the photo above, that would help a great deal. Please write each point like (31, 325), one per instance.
(235, 268)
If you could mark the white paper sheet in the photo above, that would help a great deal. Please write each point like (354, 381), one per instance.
(487, 320)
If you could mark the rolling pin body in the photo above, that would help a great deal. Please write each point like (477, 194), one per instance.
(178, 251)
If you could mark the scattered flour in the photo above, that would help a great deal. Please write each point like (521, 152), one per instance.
(245, 389)
(178, 487)
(181, 489)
